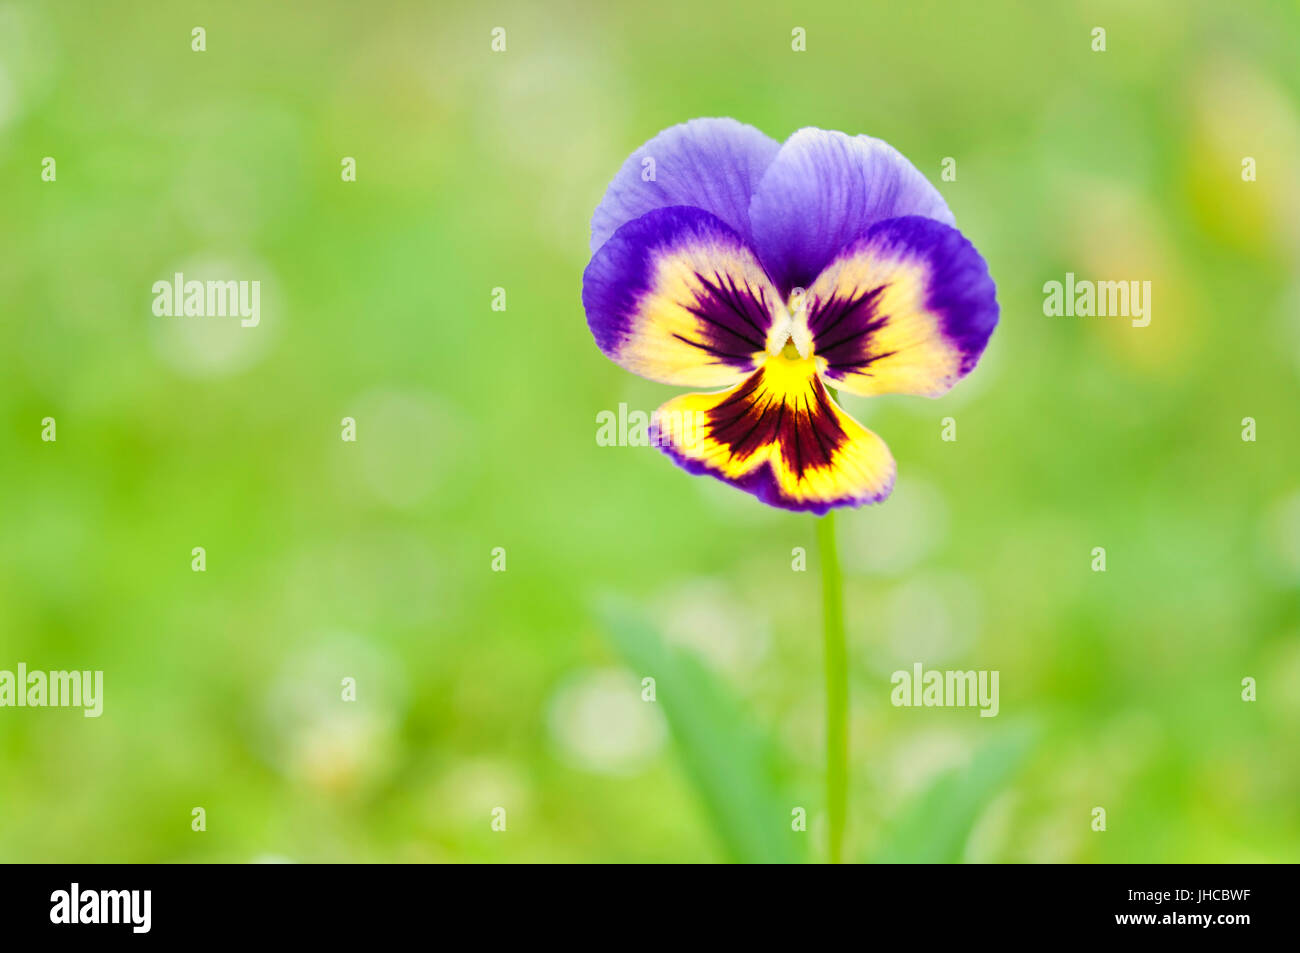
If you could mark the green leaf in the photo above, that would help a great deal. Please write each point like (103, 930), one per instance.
(934, 828)
(728, 758)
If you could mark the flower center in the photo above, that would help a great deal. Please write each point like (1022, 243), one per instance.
(789, 336)
(789, 372)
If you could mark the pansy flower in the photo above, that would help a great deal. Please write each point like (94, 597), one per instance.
(777, 272)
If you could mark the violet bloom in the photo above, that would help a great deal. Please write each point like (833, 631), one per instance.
(777, 271)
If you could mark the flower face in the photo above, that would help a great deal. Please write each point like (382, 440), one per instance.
(777, 271)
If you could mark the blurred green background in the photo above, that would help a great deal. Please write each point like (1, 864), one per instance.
(476, 430)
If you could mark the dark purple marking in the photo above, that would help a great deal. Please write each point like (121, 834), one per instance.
(733, 319)
(843, 329)
(806, 431)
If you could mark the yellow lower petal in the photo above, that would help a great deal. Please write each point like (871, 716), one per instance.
(779, 436)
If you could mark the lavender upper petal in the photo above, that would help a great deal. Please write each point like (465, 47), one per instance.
(823, 191)
(712, 164)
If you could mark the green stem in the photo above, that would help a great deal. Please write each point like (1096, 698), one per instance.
(837, 686)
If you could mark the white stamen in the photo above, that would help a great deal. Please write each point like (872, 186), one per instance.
(802, 338)
(799, 332)
(779, 334)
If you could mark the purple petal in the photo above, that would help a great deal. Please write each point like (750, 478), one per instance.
(678, 297)
(713, 164)
(907, 309)
(824, 190)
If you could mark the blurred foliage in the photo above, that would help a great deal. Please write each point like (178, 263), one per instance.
(730, 761)
(937, 826)
(372, 560)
